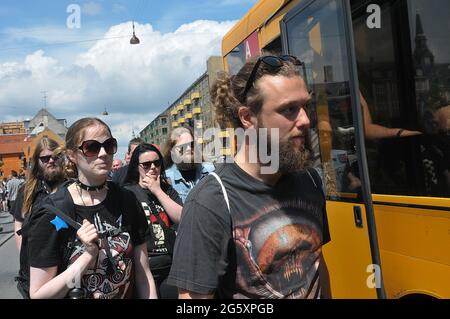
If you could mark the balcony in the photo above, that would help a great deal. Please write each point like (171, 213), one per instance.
(175, 124)
(188, 115)
(195, 95)
(187, 102)
(181, 120)
(174, 111)
(180, 107)
(197, 110)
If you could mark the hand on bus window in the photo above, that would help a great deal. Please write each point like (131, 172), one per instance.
(375, 131)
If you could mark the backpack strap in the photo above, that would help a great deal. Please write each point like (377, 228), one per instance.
(62, 215)
(315, 178)
(63, 205)
(224, 190)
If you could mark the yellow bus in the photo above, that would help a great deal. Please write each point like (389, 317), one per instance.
(379, 73)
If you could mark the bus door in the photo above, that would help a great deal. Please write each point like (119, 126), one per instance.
(319, 34)
(404, 76)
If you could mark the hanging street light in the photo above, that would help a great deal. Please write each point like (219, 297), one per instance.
(134, 39)
(105, 112)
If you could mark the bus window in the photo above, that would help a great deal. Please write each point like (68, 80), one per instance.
(236, 59)
(273, 47)
(317, 38)
(430, 37)
(402, 160)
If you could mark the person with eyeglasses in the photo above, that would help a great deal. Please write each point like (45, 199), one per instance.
(45, 175)
(107, 257)
(183, 172)
(249, 232)
(162, 205)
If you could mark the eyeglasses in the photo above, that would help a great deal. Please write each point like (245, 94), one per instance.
(182, 147)
(147, 165)
(274, 62)
(46, 159)
(91, 148)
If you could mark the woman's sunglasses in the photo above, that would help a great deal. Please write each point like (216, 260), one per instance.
(275, 62)
(147, 165)
(91, 148)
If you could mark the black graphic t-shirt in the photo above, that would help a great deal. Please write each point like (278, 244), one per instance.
(158, 243)
(112, 275)
(268, 247)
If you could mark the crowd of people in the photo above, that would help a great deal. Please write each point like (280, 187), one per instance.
(163, 225)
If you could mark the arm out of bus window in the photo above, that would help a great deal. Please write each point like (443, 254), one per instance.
(324, 279)
(375, 131)
(184, 294)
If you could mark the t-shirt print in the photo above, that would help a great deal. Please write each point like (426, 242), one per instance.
(278, 250)
(106, 279)
(157, 230)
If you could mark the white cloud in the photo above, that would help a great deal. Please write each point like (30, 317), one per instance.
(134, 82)
(91, 8)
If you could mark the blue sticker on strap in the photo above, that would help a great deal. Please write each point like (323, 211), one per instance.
(59, 223)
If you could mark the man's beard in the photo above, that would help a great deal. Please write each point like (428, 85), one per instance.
(291, 158)
(184, 162)
(52, 176)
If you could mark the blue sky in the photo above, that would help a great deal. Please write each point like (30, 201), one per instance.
(85, 70)
(26, 25)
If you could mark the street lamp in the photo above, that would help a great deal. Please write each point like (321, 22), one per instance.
(134, 39)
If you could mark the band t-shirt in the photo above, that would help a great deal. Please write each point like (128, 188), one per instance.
(267, 246)
(160, 238)
(112, 275)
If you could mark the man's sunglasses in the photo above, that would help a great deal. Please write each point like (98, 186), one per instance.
(275, 62)
(183, 147)
(147, 165)
(91, 148)
(46, 159)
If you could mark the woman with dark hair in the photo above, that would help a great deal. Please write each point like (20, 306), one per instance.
(108, 256)
(162, 206)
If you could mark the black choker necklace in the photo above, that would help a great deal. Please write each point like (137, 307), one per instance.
(90, 188)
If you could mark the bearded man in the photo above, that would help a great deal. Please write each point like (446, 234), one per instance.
(249, 232)
(46, 174)
(183, 172)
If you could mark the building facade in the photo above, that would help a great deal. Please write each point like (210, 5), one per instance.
(18, 139)
(192, 108)
(12, 128)
(12, 156)
(157, 131)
